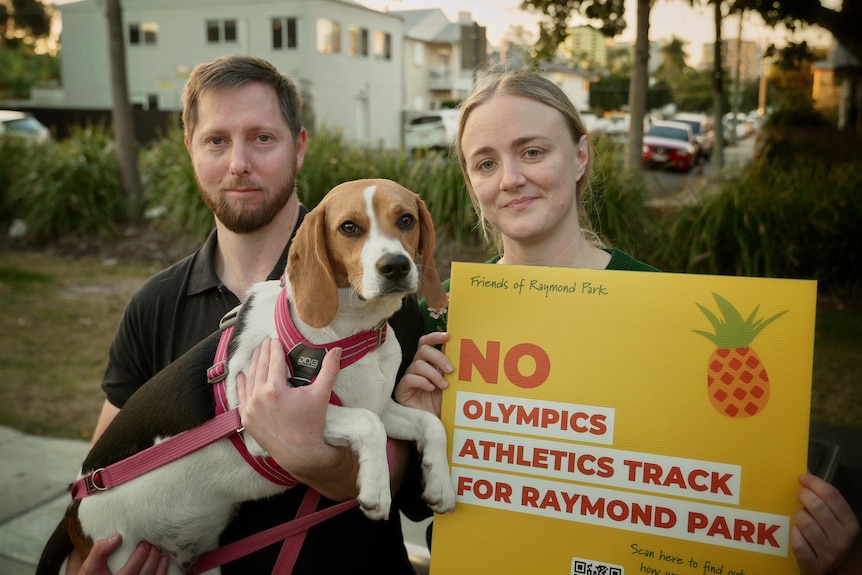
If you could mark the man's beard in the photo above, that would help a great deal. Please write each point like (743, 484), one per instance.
(237, 218)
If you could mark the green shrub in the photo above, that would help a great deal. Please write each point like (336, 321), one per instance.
(70, 188)
(437, 179)
(169, 187)
(330, 160)
(780, 219)
(17, 154)
(616, 202)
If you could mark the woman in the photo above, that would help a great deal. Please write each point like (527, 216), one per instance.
(525, 155)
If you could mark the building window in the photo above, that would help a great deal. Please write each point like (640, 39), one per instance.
(357, 41)
(143, 33)
(284, 34)
(328, 36)
(221, 32)
(382, 45)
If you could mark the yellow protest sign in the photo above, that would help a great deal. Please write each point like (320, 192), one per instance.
(610, 422)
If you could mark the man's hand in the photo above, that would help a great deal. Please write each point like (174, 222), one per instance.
(288, 421)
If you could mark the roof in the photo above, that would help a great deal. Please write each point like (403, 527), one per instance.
(429, 25)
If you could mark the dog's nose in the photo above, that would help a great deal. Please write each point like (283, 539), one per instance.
(394, 267)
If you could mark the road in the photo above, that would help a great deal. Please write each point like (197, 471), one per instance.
(668, 184)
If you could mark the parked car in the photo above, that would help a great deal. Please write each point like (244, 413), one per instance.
(431, 131)
(670, 144)
(741, 125)
(702, 128)
(22, 125)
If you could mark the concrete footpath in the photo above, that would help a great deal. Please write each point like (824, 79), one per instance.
(36, 471)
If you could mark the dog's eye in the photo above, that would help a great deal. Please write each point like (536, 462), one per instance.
(349, 229)
(406, 222)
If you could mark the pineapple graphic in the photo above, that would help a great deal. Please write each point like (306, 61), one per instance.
(737, 382)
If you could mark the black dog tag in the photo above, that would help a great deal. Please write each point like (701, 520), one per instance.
(305, 362)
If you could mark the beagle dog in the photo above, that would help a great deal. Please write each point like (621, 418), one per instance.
(350, 265)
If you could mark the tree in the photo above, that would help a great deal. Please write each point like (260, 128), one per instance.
(638, 90)
(24, 21)
(554, 22)
(553, 29)
(844, 24)
(673, 59)
(123, 120)
(717, 91)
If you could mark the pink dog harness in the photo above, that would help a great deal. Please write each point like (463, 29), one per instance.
(354, 347)
(227, 423)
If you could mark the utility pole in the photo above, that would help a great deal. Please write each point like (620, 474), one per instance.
(734, 101)
(718, 82)
(761, 93)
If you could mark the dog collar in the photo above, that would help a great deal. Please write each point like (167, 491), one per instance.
(306, 358)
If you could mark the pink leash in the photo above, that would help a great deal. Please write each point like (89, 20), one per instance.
(227, 423)
(159, 454)
(292, 532)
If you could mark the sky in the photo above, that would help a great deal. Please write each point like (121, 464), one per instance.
(668, 18)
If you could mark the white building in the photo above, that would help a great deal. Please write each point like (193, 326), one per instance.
(346, 59)
(439, 57)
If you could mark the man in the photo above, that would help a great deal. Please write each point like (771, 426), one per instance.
(246, 142)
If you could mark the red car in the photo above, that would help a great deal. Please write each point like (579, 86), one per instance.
(670, 145)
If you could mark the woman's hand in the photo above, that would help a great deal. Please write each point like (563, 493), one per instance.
(825, 529)
(146, 559)
(423, 383)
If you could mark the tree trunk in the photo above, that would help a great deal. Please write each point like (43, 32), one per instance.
(123, 120)
(638, 85)
(718, 83)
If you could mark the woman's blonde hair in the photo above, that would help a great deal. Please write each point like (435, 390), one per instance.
(534, 86)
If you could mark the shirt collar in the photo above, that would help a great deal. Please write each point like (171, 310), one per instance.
(203, 276)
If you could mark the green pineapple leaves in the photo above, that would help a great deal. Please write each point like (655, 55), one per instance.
(731, 331)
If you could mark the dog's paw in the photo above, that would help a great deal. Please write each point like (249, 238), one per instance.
(375, 504)
(439, 494)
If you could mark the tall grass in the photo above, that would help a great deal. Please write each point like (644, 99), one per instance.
(330, 160)
(615, 202)
(169, 184)
(169, 187)
(795, 219)
(780, 219)
(68, 188)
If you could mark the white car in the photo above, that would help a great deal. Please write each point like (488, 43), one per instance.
(22, 125)
(431, 131)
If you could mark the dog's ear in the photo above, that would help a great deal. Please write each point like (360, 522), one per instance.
(315, 295)
(432, 287)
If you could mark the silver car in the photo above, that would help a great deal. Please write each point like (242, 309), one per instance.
(22, 125)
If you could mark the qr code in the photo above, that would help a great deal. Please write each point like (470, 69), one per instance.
(588, 567)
